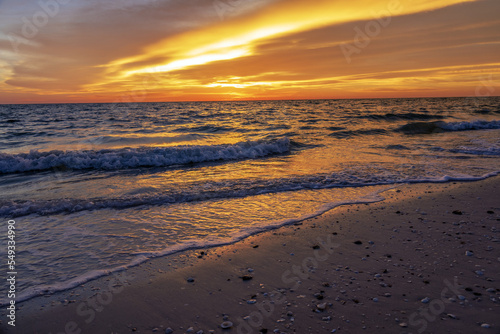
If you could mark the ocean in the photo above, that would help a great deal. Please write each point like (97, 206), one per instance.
(97, 188)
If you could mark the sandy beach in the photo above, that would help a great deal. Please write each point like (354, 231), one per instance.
(424, 260)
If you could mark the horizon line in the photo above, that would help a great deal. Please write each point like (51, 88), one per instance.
(257, 100)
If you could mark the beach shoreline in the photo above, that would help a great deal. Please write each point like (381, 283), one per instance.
(423, 260)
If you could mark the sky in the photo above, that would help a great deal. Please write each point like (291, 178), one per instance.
(60, 51)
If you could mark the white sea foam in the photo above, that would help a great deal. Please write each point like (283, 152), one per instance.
(138, 157)
(440, 126)
(209, 242)
(229, 189)
(472, 125)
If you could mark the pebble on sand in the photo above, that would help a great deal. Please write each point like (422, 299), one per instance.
(485, 326)
(321, 306)
(226, 325)
(426, 300)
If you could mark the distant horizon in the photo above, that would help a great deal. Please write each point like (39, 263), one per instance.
(261, 100)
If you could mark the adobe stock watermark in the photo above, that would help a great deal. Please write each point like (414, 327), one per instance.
(132, 98)
(485, 89)
(225, 8)
(292, 279)
(128, 102)
(32, 25)
(87, 310)
(420, 319)
(12, 272)
(363, 37)
(127, 5)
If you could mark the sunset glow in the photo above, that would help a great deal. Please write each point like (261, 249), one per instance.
(202, 50)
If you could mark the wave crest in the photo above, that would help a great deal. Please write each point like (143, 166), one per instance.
(433, 127)
(116, 159)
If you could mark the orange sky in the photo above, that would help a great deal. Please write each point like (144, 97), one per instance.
(173, 50)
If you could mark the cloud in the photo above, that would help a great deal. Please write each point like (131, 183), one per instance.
(281, 18)
(270, 49)
(413, 51)
(90, 34)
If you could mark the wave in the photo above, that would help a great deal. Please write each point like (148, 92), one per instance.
(474, 125)
(405, 116)
(204, 128)
(486, 111)
(491, 151)
(209, 242)
(214, 190)
(434, 127)
(345, 134)
(142, 140)
(116, 159)
(397, 147)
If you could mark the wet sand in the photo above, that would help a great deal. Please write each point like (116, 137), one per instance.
(424, 260)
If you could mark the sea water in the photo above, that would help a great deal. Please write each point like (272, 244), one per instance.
(95, 188)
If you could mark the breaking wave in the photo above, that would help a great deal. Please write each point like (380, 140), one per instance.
(433, 127)
(116, 159)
